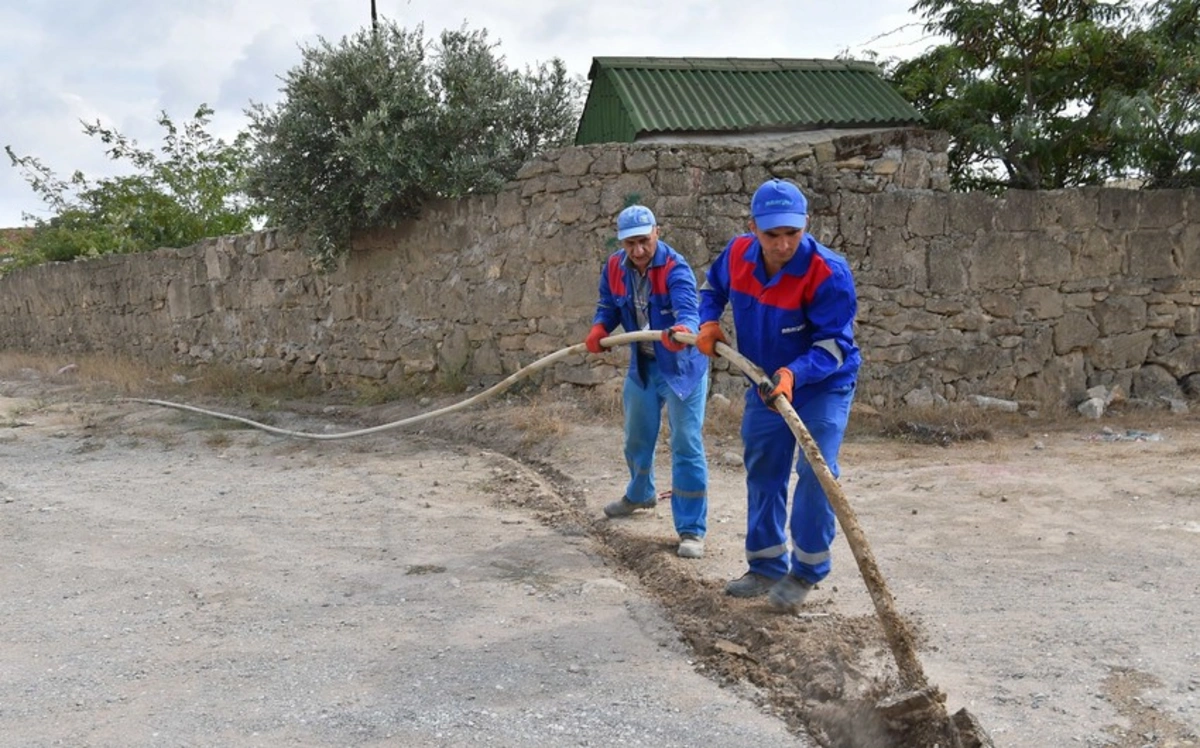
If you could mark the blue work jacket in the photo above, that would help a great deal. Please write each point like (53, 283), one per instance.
(802, 318)
(673, 301)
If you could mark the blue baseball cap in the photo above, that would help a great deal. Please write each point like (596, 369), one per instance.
(636, 220)
(778, 203)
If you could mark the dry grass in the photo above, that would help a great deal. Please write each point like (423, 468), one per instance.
(601, 404)
(541, 420)
(955, 422)
(544, 413)
(256, 389)
(380, 393)
(109, 375)
(723, 418)
(218, 440)
(92, 371)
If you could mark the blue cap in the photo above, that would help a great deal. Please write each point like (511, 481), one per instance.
(636, 220)
(778, 203)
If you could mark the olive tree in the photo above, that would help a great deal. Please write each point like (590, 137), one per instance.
(371, 128)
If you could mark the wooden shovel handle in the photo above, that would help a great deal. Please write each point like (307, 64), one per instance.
(899, 639)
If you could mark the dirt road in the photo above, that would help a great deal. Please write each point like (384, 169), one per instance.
(174, 581)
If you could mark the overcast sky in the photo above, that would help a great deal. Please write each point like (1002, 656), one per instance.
(123, 61)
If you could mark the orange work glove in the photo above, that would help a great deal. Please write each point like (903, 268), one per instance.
(780, 385)
(710, 335)
(670, 343)
(594, 337)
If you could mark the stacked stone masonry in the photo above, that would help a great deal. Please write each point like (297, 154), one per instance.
(1033, 296)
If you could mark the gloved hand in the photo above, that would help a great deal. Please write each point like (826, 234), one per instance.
(670, 343)
(710, 335)
(594, 337)
(777, 386)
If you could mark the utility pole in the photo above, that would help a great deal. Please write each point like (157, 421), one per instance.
(374, 18)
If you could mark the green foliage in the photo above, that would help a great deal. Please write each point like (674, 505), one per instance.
(1157, 123)
(1043, 95)
(371, 128)
(192, 189)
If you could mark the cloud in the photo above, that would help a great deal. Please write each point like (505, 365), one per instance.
(123, 63)
(256, 75)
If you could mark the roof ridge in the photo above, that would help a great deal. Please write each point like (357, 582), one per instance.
(732, 63)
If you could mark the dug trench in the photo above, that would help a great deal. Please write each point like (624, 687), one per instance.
(996, 539)
(999, 551)
(821, 671)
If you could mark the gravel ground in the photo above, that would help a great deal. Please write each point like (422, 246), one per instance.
(173, 581)
(169, 583)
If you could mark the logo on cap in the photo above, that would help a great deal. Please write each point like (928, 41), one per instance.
(779, 204)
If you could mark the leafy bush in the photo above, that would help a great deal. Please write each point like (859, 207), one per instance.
(193, 190)
(1041, 95)
(371, 128)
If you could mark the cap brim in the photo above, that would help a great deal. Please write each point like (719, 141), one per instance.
(635, 231)
(781, 220)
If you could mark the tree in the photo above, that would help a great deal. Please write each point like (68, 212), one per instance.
(1157, 125)
(193, 189)
(371, 128)
(1043, 94)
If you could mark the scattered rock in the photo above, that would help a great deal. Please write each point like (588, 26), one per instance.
(995, 403)
(923, 397)
(1092, 408)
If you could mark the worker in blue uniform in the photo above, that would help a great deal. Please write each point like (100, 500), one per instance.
(647, 285)
(794, 305)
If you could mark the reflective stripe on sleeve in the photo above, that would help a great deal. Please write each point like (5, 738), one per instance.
(834, 349)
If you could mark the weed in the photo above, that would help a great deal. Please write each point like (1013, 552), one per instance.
(542, 420)
(218, 440)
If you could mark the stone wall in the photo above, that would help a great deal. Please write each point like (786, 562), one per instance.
(1037, 296)
(1033, 296)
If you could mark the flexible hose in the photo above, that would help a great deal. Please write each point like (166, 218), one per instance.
(899, 638)
(609, 342)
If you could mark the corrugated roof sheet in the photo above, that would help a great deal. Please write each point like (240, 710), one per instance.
(663, 94)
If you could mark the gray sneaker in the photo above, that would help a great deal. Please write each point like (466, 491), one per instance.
(789, 592)
(691, 546)
(623, 507)
(750, 584)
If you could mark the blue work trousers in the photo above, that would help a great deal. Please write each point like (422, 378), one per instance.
(770, 451)
(689, 468)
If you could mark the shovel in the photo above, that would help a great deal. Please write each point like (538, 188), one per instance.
(920, 701)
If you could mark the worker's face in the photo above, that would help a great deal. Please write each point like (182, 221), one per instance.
(779, 244)
(641, 249)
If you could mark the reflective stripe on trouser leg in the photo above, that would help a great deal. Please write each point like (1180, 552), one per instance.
(769, 448)
(643, 416)
(689, 467)
(813, 523)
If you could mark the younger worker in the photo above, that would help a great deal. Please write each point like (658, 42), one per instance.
(794, 305)
(647, 285)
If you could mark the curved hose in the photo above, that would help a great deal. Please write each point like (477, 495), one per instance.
(899, 638)
(609, 342)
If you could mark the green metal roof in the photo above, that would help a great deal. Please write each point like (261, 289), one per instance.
(632, 96)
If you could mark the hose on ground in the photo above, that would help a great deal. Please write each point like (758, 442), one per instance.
(899, 638)
(609, 342)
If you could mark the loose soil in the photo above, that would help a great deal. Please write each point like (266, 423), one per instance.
(1048, 569)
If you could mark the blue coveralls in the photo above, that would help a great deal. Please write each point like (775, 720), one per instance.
(657, 377)
(801, 318)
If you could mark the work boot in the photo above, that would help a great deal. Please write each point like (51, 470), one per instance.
(789, 592)
(691, 546)
(750, 584)
(623, 507)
